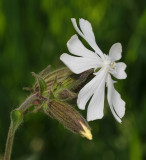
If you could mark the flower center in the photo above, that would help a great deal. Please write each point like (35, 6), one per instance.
(112, 65)
(106, 60)
(108, 63)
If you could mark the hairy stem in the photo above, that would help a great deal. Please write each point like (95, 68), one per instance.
(12, 129)
(26, 104)
(9, 143)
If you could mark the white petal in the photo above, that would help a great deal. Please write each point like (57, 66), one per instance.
(76, 47)
(96, 105)
(93, 87)
(87, 34)
(115, 52)
(119, 71)
(117, 105)
(79, 64)
(87, 29)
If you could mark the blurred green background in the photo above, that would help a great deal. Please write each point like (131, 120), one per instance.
(33, 34)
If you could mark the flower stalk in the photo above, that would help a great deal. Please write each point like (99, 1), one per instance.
(16, 119)
(9, 143)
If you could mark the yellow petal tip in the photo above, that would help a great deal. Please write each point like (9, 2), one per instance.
(86, 132)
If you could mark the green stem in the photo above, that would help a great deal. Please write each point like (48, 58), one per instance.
(13, 126)
(9, 143)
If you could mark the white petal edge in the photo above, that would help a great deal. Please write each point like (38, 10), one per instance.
(117, 105)
(87, 34)
(119, 71)
(78, 64)
(76, 47)
(115, 51)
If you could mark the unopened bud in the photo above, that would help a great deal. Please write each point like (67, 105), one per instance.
(50, 77)
(69, 118)
(66, 89)
(74, 81)
(61, 79)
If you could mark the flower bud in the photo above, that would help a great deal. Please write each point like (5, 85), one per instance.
(69, 118)
(59, 80)
(67, 89)
(50, 77)
(74, 81)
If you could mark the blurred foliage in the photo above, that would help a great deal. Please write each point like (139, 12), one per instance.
(33, 34)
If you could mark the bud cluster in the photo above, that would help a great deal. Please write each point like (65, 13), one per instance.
(55, 90)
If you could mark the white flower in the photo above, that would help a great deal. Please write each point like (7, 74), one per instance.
(85, 59)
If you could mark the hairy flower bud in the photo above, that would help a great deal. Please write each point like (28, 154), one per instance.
(60, 81)
(67, 88)
(69, 118)
(74, 82)
(50, 77)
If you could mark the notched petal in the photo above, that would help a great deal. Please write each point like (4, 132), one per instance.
(87, 34)
(76, 47)
(119, 71)
(115, 52)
